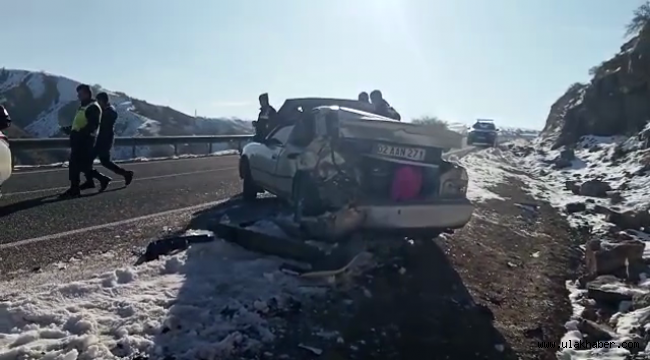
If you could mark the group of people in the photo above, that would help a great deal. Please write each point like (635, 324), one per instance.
(267, 115)
(92, 134)
(381, 106)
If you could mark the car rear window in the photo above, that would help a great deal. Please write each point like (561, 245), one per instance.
(484, 126)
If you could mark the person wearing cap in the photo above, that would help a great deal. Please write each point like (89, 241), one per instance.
(382, 107)
(264, 123)
(83, 132)
(105, 140)
(5, 119)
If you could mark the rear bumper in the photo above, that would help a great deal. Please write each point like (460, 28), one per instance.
(481, 138)
(438, 215)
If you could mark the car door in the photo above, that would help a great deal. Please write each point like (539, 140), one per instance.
(265, 163)
(301, 136)
(5, 159)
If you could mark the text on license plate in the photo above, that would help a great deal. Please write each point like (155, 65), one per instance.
(400, 151)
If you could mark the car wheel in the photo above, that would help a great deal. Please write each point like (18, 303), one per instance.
(250, 189)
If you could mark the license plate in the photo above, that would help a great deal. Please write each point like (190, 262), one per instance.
(401, 152)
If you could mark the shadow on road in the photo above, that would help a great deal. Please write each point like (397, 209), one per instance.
(43, 200)
(229, 298)
(413, 305)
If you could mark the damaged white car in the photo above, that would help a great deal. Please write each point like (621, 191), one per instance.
(334, 159)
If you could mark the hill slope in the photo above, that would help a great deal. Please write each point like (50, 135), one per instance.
(614, 102)
(38, 100)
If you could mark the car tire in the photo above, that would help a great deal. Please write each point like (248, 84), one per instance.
(249, 188)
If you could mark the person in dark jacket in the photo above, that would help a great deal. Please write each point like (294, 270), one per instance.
(363, 97)
(83, 132)
(105, 140)
(5, 119)
(266, 118)
(382, 107)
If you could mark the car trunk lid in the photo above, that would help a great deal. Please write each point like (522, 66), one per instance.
(382, 130)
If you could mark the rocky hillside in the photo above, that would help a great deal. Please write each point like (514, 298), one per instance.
(614, 102)
(37, 101)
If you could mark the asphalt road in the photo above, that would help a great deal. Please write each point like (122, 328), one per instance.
(29, 208)
(36, 228)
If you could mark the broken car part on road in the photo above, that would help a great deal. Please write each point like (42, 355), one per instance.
(325, 260)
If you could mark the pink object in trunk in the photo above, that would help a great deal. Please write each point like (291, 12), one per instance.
(407, 183)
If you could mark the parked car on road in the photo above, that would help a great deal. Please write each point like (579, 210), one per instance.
(483, 132)
(326, 154)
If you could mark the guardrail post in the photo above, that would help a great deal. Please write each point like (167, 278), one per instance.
(175, 149)
(239, 147)
(210, 148)
(133, 152)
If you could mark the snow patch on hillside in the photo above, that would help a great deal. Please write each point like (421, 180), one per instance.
(36, 85)
(67, 89)
(15, 78)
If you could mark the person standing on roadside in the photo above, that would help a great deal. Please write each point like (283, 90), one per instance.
(266, 118)
(83, 132)
(106, 137)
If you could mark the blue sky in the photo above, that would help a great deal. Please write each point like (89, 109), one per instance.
(456, 59)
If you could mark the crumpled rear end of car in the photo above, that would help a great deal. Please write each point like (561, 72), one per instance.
(351, 174)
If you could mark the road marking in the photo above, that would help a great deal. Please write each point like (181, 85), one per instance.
(125, 164)
(121, 181)
(113, 224)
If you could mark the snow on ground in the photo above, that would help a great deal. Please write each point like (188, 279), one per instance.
(485, 171)
(486, 168)
(208, 302)
(589, 164)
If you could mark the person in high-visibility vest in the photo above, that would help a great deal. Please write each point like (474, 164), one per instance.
(83, 132)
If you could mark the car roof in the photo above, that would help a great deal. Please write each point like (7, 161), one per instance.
(291, 105)
(484, 120)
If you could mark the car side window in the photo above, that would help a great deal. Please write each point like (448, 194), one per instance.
(303, 132)
(282, 134)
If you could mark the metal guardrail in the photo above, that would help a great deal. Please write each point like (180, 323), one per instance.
(134, 142)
